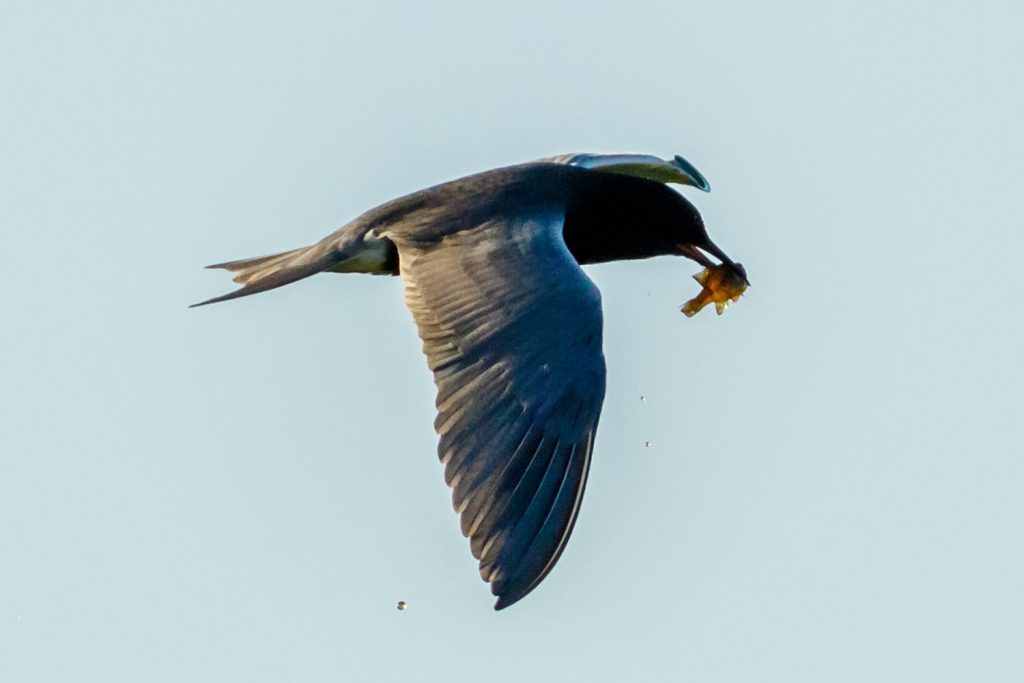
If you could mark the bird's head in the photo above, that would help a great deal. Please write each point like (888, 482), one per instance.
(660, 220)
(693, 240)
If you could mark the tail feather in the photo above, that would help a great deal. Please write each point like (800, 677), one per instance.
(249, 269)
(268, 272)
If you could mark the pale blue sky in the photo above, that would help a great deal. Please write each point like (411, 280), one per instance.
(243, 492)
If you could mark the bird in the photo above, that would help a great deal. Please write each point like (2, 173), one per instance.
(511, 326)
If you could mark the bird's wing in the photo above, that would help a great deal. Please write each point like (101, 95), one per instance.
(511, 327)
(675, 170)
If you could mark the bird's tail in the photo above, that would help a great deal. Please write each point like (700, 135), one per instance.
(267, 272)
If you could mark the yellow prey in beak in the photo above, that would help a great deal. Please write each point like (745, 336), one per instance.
(720, 284)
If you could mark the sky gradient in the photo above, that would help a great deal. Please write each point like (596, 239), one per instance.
(832, 485)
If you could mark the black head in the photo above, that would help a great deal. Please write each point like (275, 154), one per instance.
(618, 217)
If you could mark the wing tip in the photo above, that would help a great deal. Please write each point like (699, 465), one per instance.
(507, 600)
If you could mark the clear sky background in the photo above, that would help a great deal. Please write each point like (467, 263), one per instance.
(832, 490)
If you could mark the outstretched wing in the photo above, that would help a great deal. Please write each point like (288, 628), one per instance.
(511, 327)
(676, 170)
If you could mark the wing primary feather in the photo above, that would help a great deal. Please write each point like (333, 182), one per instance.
(506, 520)
(499, 431)
(524, 467)
(511, 556)
(477, 492)
(550, 539)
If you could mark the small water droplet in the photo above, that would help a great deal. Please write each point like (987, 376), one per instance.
(647, 444)
(401, 605)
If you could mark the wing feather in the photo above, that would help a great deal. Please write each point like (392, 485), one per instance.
(511, 327)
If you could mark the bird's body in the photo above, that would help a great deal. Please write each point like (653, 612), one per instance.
(511, 326)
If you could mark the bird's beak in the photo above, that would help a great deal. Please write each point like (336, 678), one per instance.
(696, 253)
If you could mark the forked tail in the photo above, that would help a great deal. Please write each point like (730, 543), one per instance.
(267, 272)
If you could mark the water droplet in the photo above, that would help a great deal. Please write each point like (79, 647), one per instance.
(647, 444)
(401, 605)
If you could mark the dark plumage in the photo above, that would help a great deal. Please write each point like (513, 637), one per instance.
(511, 326)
